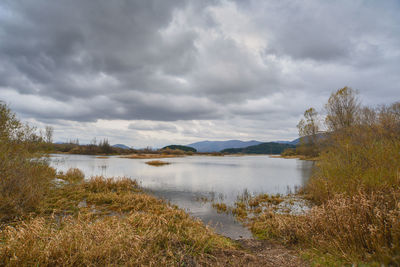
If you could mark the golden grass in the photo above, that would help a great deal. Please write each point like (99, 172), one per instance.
(362, 228)
(117, 225)
(73, 175)
(220, 207)
(157, 163)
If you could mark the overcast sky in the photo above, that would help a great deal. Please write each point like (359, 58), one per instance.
(157, 72)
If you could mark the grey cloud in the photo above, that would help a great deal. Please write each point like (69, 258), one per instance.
(234, 63)
(152, 126)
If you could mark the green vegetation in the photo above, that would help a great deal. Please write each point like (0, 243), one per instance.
(264, 148)
(355, 187)
(183, 148)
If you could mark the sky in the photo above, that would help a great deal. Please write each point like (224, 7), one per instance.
(159, 72)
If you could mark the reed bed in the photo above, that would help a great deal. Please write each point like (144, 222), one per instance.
(119, 224)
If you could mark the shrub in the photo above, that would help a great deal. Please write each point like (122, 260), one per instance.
(24, 178)
(359, 228)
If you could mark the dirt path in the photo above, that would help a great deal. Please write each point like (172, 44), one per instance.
(258, 253)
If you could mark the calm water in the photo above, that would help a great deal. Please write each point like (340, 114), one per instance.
(186, 180)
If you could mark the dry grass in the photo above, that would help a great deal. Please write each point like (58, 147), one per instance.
(265, 198)
(220, 207)
(73, 175)
(118, 225)
(157, 163)
(361, 228)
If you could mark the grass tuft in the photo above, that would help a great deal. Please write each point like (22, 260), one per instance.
(157, 163)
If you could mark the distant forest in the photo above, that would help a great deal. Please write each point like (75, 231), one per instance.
(264, 148)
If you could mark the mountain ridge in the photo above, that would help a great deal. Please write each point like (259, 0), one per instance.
(217, 146)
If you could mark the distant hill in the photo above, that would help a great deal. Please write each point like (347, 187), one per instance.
(217, 146)
(263, 148)
(183, 148)
(121, 146)
(293, 142)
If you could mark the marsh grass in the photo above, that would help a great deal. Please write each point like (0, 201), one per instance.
(220, 207)
(361, 228)
(118, 225)
(73, 175)
(157, 163)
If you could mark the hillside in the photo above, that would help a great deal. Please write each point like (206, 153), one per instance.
(183, 148)
(217, 146)
(121, 146)
(263, 148)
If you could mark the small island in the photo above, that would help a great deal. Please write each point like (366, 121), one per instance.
(157, 163)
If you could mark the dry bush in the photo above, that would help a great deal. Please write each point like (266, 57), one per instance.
(24, 179)
(23, 183)
(359, 157)
(360, 228)
(356, 186)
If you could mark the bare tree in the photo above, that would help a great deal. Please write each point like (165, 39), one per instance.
(342, 109)
(308, 129)
(389, 117)
(49, 134)
(309, 126)
(368, 116)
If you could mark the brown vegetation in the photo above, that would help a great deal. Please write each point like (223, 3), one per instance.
(220, 207)
(157, 163)
(94, 148)
(355, 186)
(118, 224)
(70, 221)
(24, 178)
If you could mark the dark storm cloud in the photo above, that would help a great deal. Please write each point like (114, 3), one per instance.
(240, 62)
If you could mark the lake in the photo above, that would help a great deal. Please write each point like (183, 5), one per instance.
(188, 180)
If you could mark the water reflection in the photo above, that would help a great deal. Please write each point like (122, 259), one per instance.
(187, 180)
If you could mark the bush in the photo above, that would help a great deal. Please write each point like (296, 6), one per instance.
(289, 152)
(359, 228)
(360, 157)
(24, 178)
(355, 186)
